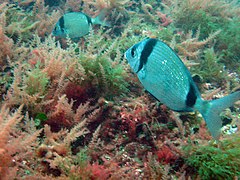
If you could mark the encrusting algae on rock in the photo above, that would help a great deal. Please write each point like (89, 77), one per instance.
(75, 110)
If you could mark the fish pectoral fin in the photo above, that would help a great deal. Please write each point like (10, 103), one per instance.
(142, 73)
(66, 31)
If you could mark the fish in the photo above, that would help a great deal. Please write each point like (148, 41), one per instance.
(163, 74)
(77, 24)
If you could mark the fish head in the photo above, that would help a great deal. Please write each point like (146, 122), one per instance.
(59, 31)
(133, 55)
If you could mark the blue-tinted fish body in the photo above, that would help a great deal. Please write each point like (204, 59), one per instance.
(165, 76)
(76, 24)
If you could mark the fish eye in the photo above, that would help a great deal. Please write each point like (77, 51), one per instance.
(133, 51)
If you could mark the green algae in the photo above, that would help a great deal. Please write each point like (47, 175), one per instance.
(36, 82)
(210, 68)
(212, 162)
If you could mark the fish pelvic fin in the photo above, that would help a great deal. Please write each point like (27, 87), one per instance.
(101, 18)
(210, 111)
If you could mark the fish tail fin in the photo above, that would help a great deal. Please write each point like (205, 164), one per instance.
(210, 111)
(101, 18)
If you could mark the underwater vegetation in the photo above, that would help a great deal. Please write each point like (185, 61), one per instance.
(73, 109)
(210, 68)
(210, 16)
(216, 162)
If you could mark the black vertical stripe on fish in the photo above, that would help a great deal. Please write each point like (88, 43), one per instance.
(191, 96)
(89, 20)
(61, 23)
(147, 50)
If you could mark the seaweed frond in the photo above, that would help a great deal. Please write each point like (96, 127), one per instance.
(191, 45)
(15, 146)
(211, 161)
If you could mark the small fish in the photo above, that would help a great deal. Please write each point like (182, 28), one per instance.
(77, 24)
(164, 75)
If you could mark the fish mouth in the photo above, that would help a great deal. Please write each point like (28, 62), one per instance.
(125, 55)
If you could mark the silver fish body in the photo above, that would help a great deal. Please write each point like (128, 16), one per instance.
(164, 75)
(73, 25)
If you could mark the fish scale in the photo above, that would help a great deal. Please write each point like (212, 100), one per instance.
(175, 70)
(164, 75)
(161, 54)
(158, 57)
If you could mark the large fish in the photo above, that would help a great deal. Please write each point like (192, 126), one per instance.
(77, 24)
(164, 75)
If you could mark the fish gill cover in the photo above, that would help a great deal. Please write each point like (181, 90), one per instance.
(75, 110)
